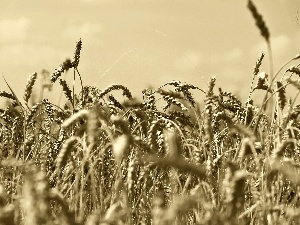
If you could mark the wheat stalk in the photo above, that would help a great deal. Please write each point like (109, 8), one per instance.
(208, 110)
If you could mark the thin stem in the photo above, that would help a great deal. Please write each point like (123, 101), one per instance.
(270, 60)
(73, 103)
(81, 83)
(271, 102)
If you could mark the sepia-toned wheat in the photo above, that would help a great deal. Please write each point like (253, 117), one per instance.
(165, 158)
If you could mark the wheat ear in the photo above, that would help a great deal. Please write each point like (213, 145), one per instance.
(29, 86)
(77, 54)
(260, 23)
(7, 95)
(65, 152)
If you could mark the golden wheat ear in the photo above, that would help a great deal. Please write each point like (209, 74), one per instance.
(77, 54)
(29, 86)
(7, 95)
(260, 23)
(65, 152)
(66, 90)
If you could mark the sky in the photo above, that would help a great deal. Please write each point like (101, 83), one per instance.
(138, 43)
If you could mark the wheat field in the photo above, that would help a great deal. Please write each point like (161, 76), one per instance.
(164, 158)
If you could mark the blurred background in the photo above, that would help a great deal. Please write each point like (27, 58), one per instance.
(144, 42)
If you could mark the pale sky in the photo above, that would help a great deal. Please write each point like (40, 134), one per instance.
(145, 42)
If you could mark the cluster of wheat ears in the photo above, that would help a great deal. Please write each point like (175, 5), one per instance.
(100, 160)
